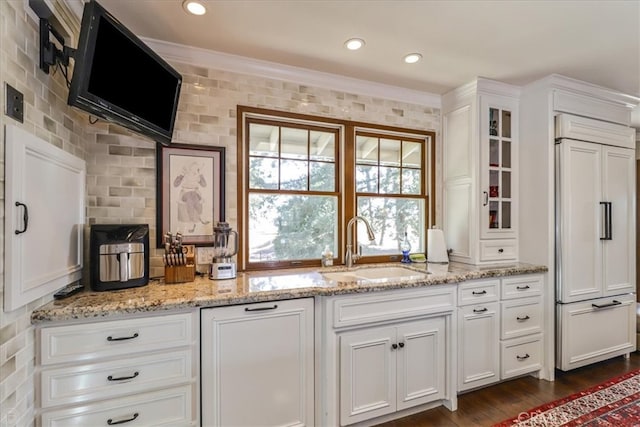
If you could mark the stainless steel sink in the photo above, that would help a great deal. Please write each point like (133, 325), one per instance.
(375, 273)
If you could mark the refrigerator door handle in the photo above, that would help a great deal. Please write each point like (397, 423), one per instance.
(611, 304)
(606, 220)
(609, 220)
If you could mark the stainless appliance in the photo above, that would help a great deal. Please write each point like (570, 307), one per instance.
(225, 246)
(119, 256)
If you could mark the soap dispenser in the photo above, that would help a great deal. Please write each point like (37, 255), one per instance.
(405, 247)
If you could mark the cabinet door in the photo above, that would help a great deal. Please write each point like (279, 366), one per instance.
(498, 136)
(257, 364)
(44, 220)
(478, 345)
(619, 191)
(420, 366)
(579, 212)
(367, 374)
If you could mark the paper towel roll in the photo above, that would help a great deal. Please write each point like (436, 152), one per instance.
(436, 249)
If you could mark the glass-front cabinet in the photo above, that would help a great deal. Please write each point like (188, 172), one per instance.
(498, 137)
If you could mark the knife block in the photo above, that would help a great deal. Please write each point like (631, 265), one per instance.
(179, 273)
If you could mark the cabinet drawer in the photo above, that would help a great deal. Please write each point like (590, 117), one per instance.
(398, 304)
(522, 286)
(586, 334)
(169, 407)
(478, 292)
(521, 356)
(75, 384)
(498, 250)
(521, 317)
(89, 341)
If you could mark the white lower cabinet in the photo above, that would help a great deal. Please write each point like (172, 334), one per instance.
(479, 334)
(386, 354)
(500, 329)
(258, 364)
(390, 368)
(137, 371)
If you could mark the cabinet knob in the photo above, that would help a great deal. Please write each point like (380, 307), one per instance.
(401, 345)
(500, 250)
(394, 346)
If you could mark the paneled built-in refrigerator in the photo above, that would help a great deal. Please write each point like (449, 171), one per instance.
(595, 241)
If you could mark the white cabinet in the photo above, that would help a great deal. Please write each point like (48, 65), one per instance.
(479, 335)
(501, 328)
(594, 330)
(595, 194)
(480, 174)
(385, 353)
(142, 371)
(44, 218)
(522, 325)
(594, 111)
(390, 368)
(258, 364)
(596, 220)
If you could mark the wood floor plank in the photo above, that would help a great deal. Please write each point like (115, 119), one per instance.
(491, 405)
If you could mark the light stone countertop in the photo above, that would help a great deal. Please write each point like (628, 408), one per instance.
(260, 286)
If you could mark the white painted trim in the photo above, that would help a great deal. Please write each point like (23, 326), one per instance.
(589, 89)
(243, 65)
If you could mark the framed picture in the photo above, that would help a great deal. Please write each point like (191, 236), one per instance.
(190, 192)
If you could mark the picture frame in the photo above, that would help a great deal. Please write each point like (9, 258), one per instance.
(190, 191)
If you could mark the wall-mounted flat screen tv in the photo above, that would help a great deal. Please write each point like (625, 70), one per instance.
(119, 78)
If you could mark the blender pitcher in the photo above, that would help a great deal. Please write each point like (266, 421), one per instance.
(225, 246)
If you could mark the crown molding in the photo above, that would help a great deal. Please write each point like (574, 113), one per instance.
(243, 65)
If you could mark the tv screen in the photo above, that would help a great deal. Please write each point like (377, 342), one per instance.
(119, 78)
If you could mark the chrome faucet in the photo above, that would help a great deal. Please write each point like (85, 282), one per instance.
(349, 256)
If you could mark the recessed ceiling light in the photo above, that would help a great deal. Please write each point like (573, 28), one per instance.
(194, 7)
(354, 44)
(412, 58)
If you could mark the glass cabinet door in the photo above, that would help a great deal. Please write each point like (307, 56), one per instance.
(497, 173)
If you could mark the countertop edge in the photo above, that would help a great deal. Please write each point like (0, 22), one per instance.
(75, 308)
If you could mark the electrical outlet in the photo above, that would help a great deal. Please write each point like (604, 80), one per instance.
(15, 103)
(204, 255)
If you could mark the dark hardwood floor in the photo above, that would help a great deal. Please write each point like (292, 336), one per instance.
(499, 402)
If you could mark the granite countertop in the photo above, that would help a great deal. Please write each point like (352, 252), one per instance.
(261, 286)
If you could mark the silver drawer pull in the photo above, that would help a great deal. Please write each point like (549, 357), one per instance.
(126, 420)
(611, 304)
(273, 307)
(480, 310)
(482, 292)
(112, 378)
(525, 357)
(523, 288)
(110, 338)
(522, 319)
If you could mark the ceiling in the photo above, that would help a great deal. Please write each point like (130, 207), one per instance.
(511, 41)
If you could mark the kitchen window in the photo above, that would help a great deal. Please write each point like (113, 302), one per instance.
(301, 178)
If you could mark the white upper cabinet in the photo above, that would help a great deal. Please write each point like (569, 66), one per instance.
(44, 217)
(480, 145)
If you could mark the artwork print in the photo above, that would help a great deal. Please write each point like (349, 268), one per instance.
(190, 192)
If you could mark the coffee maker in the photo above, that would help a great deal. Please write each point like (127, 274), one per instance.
(119, 256)
(225, 246)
